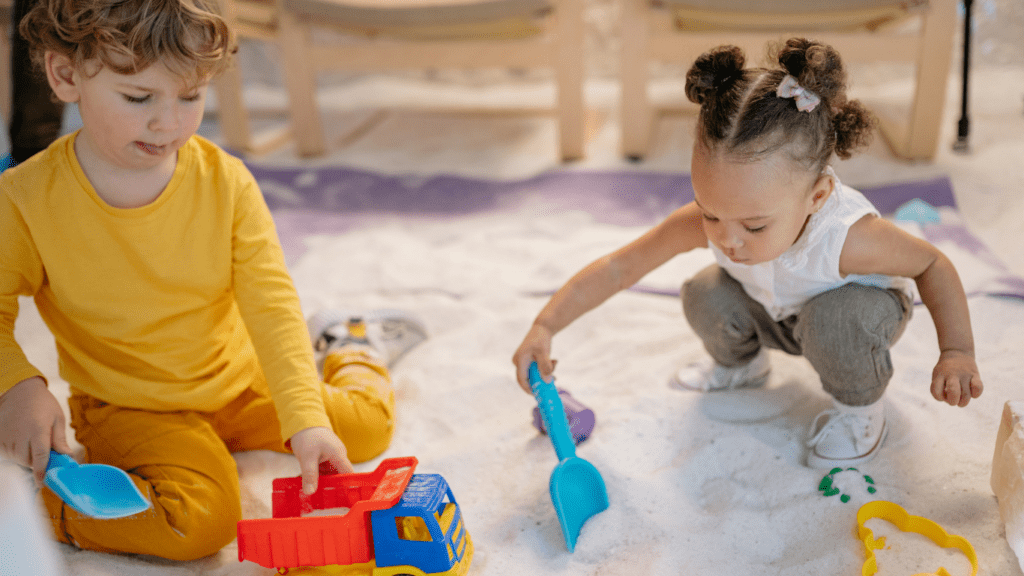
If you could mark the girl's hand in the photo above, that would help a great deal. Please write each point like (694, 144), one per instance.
(33, 422)
(315, 446)
(955, 379)
(536, 347)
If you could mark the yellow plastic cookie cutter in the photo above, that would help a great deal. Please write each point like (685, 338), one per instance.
(896, 515)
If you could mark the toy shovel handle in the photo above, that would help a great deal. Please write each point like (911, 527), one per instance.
(553, 413)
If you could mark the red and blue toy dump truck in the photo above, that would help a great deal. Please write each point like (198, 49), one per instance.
(381, 523)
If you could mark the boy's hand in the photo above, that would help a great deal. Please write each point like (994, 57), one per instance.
(955, 379)
(316, 445)
(536, 347)
(33, 422)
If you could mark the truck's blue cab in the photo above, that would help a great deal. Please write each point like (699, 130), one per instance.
(425, 529)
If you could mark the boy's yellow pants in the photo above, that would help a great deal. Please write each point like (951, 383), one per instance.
(182, 461)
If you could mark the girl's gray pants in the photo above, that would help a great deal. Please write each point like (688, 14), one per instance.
(844, 333)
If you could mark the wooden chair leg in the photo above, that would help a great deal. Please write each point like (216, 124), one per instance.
(636, 113)
(231, 110)
(936, 54)
(569, 74)
(300, 81)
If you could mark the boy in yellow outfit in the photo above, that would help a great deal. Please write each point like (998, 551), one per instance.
(153, 259)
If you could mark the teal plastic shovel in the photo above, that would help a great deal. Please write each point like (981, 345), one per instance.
(96, 490)
(577, 489)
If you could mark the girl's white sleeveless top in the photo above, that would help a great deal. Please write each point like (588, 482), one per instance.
(811, 265)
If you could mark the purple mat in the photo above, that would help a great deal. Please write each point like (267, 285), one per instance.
(625, 198)
(330, 200)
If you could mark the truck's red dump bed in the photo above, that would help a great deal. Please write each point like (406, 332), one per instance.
(288, 540)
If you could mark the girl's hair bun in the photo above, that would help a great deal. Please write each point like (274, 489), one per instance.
(742, 115)
(714, 72)
(854, 126)
(816, 66)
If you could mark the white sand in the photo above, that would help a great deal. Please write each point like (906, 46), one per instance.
(690, 493)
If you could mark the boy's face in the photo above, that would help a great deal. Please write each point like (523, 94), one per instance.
(133, 122)
(754, 211)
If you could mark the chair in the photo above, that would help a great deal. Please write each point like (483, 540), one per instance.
(253, 19)
(385, 35)
(678, 31)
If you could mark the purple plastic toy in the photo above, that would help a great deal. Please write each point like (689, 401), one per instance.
(581, 418)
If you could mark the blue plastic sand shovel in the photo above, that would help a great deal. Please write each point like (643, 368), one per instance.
(96, 490)
(577, 489)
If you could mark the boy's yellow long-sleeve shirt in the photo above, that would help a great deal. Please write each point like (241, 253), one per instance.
(181, 304)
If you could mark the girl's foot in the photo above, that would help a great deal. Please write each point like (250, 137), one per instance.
(846, 435)
(704, 378)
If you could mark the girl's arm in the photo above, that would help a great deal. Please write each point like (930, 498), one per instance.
(876, 246)
(681, 232)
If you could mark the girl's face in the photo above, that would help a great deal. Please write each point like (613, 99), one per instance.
(754, 211)
(134, 122)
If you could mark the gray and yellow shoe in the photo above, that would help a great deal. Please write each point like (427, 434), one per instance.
(388, 332)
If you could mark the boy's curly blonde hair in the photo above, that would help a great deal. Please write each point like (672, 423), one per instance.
(188, 36)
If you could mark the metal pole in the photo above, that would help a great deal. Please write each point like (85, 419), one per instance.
(963, 126)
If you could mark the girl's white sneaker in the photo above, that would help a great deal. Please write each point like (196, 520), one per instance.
(846, 435)
(705, 378)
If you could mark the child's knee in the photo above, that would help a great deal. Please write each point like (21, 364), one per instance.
(195, 527)
(200, 542)
(852, 317)
(187, 520)
(353, 370)
(698, 288)
(716, 306)
(710, 289)
(372, 443)
(360, 402)
(366, 424)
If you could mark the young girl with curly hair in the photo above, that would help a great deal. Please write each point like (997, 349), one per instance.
(804, 264)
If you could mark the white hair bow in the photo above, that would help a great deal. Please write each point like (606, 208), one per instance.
(806, 100)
